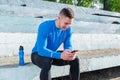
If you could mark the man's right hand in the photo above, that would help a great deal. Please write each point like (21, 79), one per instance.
(67, 55)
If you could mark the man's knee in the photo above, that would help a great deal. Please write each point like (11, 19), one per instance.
(75, 62)
(40, 61)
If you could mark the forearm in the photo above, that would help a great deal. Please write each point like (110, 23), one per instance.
(49, 53)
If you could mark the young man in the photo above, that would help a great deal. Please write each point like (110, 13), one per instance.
(51, 34)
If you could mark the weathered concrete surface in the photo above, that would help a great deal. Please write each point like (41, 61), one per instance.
(50, 5)
(30, 25)
(90, 60)
(90, 23)
(10, 42)
(18, 73)
(16, 20)
(81, 14)
(104, 74)
(94, 60)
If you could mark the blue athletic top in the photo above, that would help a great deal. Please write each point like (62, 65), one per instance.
(49, 39)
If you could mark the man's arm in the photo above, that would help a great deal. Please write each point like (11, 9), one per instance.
(42, 43)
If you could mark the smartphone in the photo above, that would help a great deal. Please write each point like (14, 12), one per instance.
(74, 51)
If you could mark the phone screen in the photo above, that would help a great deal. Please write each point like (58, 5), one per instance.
(74, 51)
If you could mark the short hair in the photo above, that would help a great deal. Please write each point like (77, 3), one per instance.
(67, 12)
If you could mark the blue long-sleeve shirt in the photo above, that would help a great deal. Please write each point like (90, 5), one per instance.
(49, 39)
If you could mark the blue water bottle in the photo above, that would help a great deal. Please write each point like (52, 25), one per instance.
(21, 56)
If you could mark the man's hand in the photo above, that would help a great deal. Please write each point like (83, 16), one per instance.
(68, 55)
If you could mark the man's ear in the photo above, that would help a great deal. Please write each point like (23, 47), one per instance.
(59, 16)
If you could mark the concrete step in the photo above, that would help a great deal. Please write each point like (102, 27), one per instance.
(84, 15)
(42, 4)
(7, 10)
(30, 25)
(90, 60)
(79, 41)
(104, 74)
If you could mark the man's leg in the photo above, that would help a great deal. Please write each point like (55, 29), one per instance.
(44, 63)
(74, 69)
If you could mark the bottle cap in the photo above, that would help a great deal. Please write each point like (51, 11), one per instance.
(21, 48)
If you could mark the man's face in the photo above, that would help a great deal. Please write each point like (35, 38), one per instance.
(64, 22)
